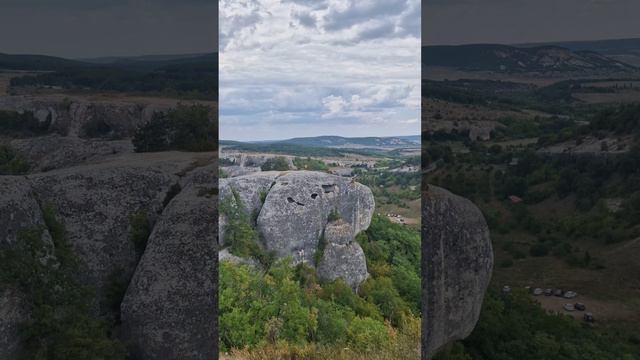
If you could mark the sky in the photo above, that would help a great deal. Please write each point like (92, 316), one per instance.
(522, 21)
(96, 28)
(296, 68)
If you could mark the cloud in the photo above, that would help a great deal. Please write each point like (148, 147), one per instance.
(303, 68)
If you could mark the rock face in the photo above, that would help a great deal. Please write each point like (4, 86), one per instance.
(176, 278)
(74, 116)
(457, 260)
(170, 306)
(295, 215)
(297, 208)
(342, 256)
(13, 313)
(51, 152)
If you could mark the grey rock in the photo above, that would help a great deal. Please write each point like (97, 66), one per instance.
(95, 204)
(295, 215)
(342, 257)
(457, 260)
(338, 232)
(297, 209)
(13, 312)
(19, 210)
(169, 309)
(250, 189)
(51, 152)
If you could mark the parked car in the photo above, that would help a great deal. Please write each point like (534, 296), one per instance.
(558, 292)
(569, 307)
(588, 317)
(580, 306)
(548, 292)
(570, 294)
(537, 291)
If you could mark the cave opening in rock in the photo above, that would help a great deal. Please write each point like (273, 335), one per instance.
(314, 196)
(292, 201)
(328, 188)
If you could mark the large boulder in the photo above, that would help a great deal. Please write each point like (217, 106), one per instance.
(95, 204)
(297, 209)
(13, 312)
(342, 257)
(169, 309)
(457, 261)
(19, 210)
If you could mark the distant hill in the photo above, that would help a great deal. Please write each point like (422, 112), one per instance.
(144, 58)
(355, 142)
(188, 76)
(624, 50)
(39, 63)
(512, 59)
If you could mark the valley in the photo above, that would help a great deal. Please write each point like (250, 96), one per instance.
(544, 140)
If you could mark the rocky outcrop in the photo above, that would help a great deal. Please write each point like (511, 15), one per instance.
(76, 116)
(297, 208)
(296, 215)
(51, 152)
(457, 260)
(169, 309)
(13, 312)
(170, 306)
(342, 257)
(95, 204)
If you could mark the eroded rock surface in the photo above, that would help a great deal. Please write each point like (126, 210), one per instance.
(13, 312)
(173, 288)
(297, 209)
(170, 306)
(457, 260)
(342, 257)
(296, 212)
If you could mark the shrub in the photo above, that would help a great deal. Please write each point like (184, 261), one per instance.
(11, 163)
(278, 163)
(187, 127)
(140, 231)
(367, 335)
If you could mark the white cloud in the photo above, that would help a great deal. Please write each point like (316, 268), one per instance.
(301, 67)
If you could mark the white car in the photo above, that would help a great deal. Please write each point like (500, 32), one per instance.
(570, 294)
(569, 307)
(537, 291)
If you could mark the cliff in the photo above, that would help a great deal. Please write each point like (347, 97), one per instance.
(457, 260)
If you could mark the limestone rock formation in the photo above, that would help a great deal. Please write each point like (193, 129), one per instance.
(296, 213)
(53, 151)
(13, 312)
(297, 208)
(95, 204)
(73, 116)
(342, 257)
(457, 260)
(169, 309)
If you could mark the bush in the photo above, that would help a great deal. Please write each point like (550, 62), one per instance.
(11, 163)
(60, 325)
(278, 163)
(140, 231)
(187, 128)
(367, 335)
